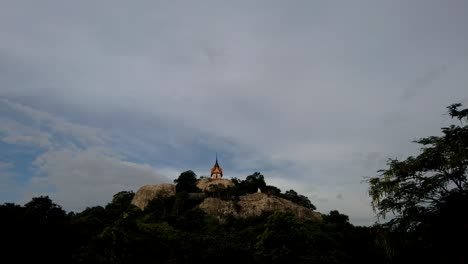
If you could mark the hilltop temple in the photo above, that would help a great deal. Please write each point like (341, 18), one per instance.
(216, 171)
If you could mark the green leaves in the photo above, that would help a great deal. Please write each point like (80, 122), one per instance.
(187, 182)
(414, 188)
(299, 199)
(455, 113)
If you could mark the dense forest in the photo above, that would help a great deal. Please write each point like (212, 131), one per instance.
(424, 198)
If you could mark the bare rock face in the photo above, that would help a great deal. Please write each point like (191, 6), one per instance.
(149, 192)
(255, 204)
(218, 207)
(206, 184)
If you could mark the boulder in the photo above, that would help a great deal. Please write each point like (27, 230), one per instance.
(207, 183)
(149, 192)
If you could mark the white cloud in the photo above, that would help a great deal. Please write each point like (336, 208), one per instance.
(42, 128)
(80, 178)
(13, 132)
(78, 168)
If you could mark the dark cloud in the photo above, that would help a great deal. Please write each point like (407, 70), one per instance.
(422, 83)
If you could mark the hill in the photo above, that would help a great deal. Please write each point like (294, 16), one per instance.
(213, 202)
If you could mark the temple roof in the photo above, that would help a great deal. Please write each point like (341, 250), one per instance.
(216, 168)
(216, 164)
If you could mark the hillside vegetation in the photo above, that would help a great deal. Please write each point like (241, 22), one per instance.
(180, 228)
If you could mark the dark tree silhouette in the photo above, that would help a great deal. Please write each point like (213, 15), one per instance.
(427, 193)
(187, 182)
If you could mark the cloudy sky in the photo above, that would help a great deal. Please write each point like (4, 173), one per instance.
(102, 96)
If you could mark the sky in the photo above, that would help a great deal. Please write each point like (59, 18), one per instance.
(98, 97)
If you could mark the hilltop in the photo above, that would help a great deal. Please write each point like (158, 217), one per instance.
(225, 198)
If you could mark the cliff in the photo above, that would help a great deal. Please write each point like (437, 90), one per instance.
(149, 192)
(255, 204)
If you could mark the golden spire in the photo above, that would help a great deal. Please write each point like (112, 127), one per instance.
(216, 171)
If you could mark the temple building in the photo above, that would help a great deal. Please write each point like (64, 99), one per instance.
(216, 171)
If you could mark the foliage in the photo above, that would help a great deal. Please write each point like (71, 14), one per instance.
(283, 239)
(43, 211)
(252, 183)
(336, 218)
(415, 189)
(170, 230)
(121, 202)
(272, 190)
(187, 182)
(37, 226)
(299, 199)
(426, 196)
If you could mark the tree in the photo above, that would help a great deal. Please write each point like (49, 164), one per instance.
(46, 227)
(283, 239)
(120, 203)
(252, 183)
(335, 217)
(299, 199)
(187, 182)
(417, 187)
(427, 194)
(273, 190)
(43, 211)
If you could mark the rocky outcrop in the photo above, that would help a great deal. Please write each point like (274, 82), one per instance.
(218, 207)
(250, 205)
(208, 183)
(255, 204)
(149, 192)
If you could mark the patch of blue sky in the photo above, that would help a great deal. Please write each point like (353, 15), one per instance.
(158, 153)
(21, 158)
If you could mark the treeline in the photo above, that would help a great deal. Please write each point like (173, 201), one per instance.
(173, 230)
